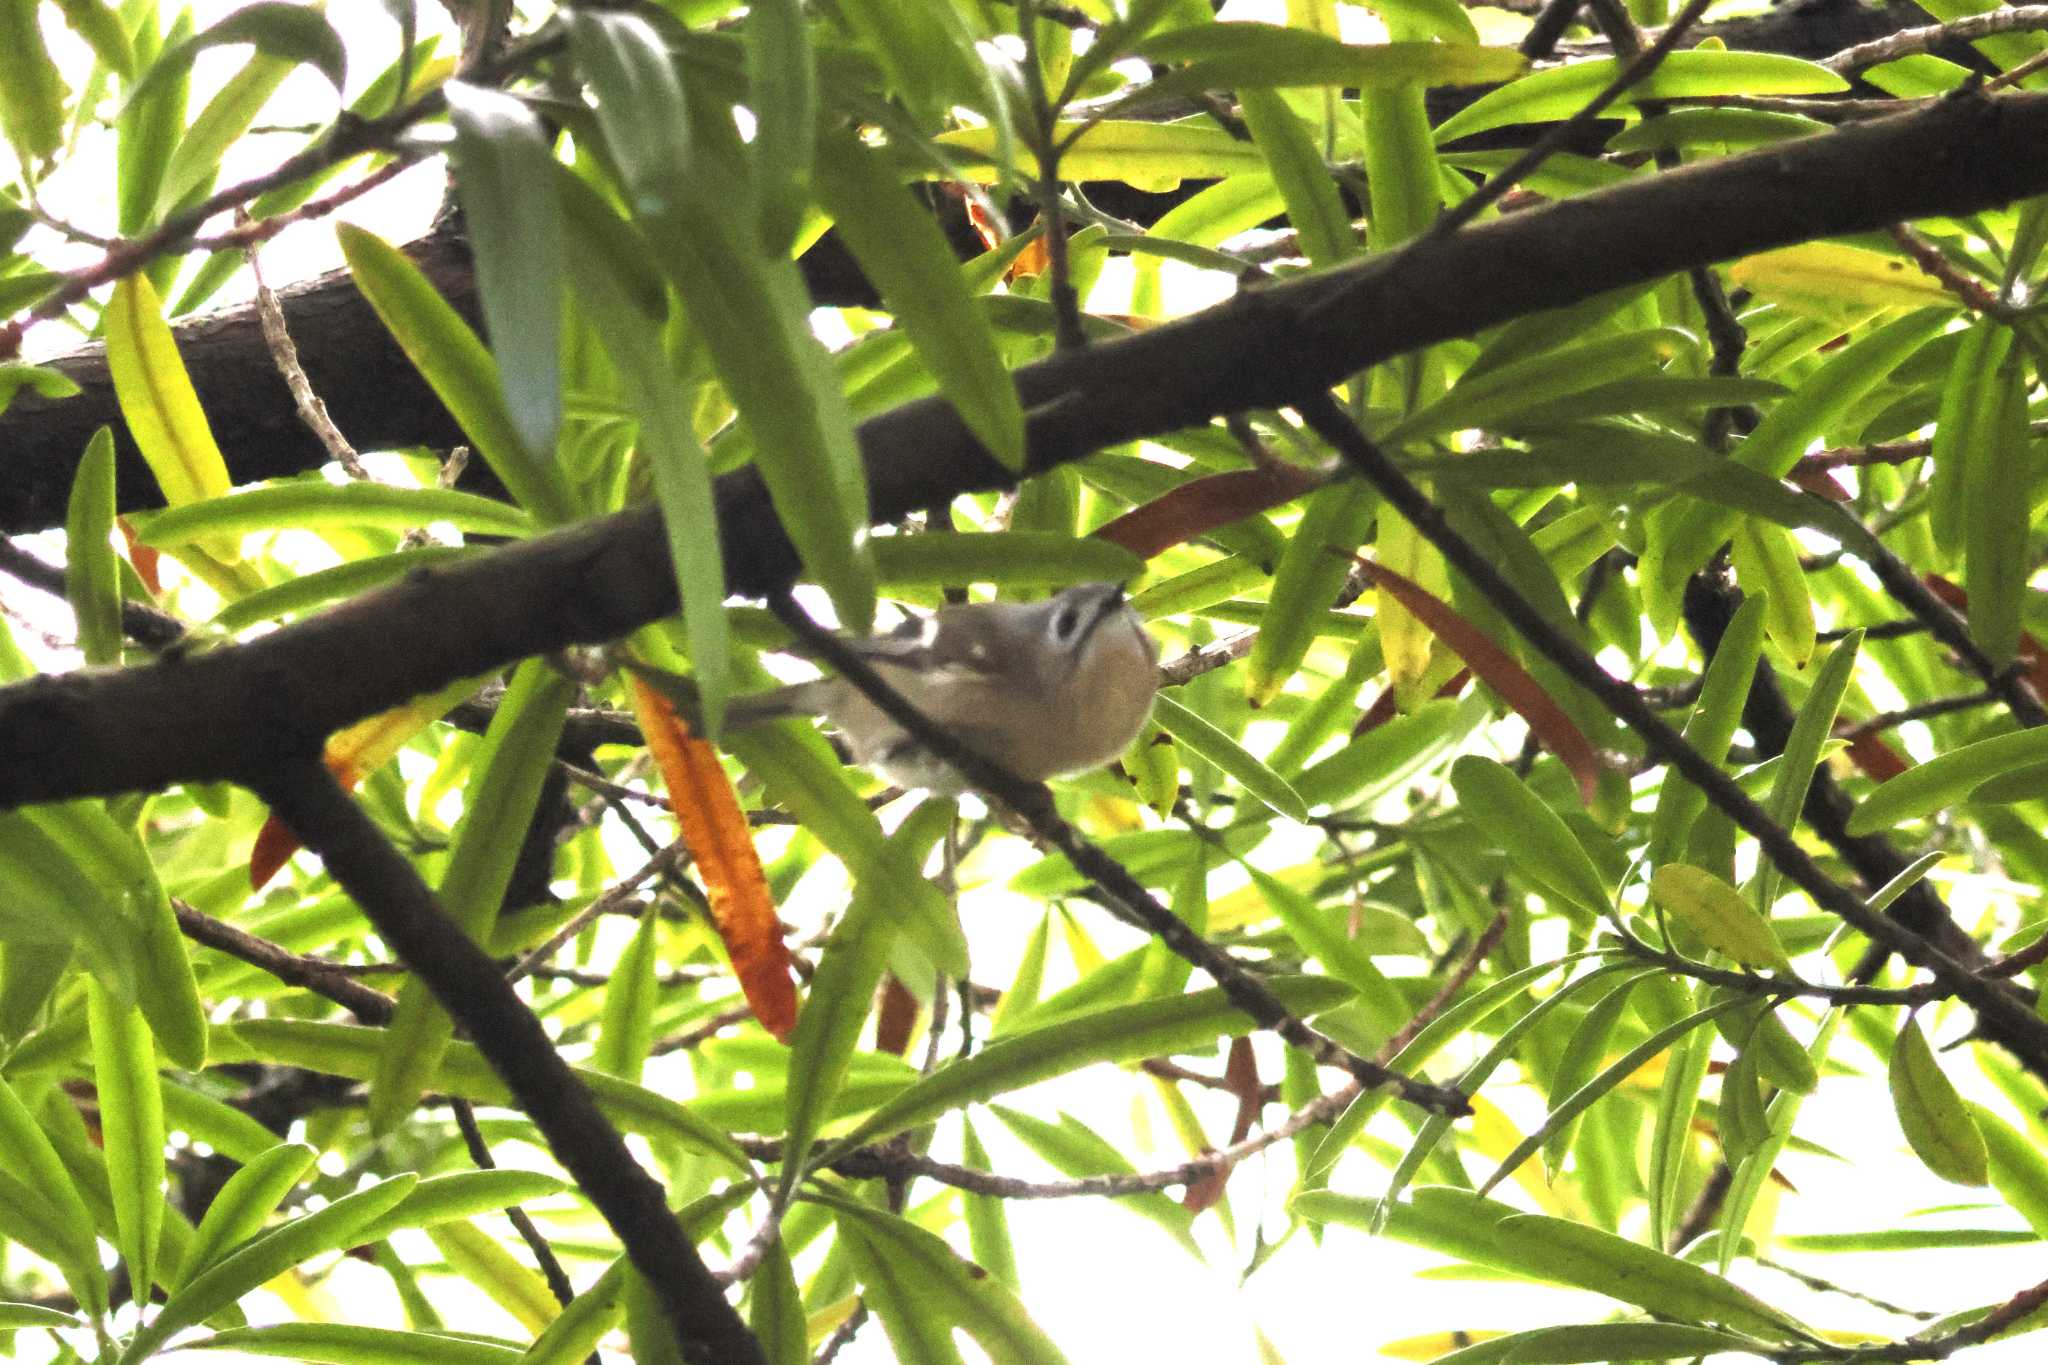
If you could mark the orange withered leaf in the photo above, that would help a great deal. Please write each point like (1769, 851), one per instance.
(1496, 668)
(716, 833)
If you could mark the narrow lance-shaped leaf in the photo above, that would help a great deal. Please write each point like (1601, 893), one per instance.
(1804, 749)
(1498, 670)
(841, 996)
(782, 88)
(763, 350)
(721, 845)
(904, 254)
(31, 91)
(262, 1259)
(278, 29)
(509, 765)
(1937, 1123)
(92, 579)
(503, 161)
(1718, 913)
(605, 270)
(1203, 738)
(1767, 565)
(1948, 778)
(457, 367)
(132, 1120)
(1998, 493)
(1710, 728)
(1538, 842)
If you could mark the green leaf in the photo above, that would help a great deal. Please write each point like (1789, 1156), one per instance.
(1804, 751)
(152, 121)
(2018, 1170)
(26, 1150)
(31, 92)
(1719, 914)
(900, 248)
(1681, 538)
(1229, 756)
(457, 367)
(461, 1195)
(1937, 1124)
(238, 1211)
(1146, 156)
(1710, 728)
(121, 867)
(92, 579)
(14, 1315)
(157, 397)
(1966, 428)
(344, 1343)
(343, 580)
(1946, 779)
(132, 1122)
(1560, 91)
(1998, 489)
(1572, 1253)
(103, 30)
(626, 1029)
(1005, 559)
(782, 92)
(585, 1320)
(315, 504)
(1767, 565)
(515, 755)
(263, 1259)
(297, 33)
(801, 774)
(1539, 844)
(1313, 205)
(922, 1272)
(840, 999)
(1602, 1341)
(1240, 56)
(503, 158)
(668, 440)
(771, 365)
(1306, 583)
(1121, 1033)
(197, 160)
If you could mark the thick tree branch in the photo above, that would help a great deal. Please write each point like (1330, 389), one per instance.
(142, 729)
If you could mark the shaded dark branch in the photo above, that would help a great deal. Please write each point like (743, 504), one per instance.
(142, 729)
(145, 625)
(469, 985)
(331, 980)
(1995, 1005)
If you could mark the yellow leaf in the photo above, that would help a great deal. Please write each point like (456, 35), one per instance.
(1842, 283)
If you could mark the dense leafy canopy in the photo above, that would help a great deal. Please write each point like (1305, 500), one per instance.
(1597, 578)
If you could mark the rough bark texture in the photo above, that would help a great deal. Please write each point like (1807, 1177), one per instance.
(144, 728)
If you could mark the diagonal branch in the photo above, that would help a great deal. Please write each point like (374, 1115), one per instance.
(470, 986)
(143, 729)
(2026, 1032)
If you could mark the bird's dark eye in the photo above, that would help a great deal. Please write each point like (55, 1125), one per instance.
(1066, 623)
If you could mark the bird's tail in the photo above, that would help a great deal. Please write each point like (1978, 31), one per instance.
(796, 699)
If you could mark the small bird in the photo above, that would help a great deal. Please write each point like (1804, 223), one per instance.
(1042, 688)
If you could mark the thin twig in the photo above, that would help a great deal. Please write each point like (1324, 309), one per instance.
(1907, 42)
(1563, 134)
(285, 355)
(613, 897)
(543, 1254)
